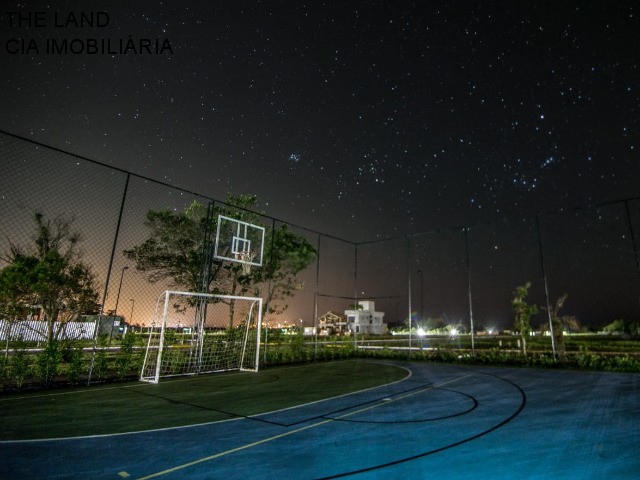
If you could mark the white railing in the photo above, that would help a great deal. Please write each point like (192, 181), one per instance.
(36, 330)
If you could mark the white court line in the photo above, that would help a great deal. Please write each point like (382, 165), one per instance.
(383, 402)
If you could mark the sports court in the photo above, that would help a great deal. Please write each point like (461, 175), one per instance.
(437, 421)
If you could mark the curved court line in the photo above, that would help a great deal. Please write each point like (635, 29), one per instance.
(409, 375)
(523, 402)
(474, 405)
(291, 432)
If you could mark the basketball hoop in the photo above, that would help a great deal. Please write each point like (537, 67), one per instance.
(246, 258)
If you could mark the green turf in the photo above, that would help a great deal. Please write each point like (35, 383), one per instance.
(182, 401)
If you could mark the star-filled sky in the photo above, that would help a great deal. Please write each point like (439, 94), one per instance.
(380, 118)
(360, 119)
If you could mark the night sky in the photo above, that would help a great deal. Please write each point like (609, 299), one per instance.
(359, 119)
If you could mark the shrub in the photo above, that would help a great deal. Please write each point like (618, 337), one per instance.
(20, 366)
(124, 358)
(49, 361)
(74, 369)
(101, 365)
(4, 367)
(624, 364)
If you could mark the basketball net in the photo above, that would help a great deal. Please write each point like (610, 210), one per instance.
(246, 258)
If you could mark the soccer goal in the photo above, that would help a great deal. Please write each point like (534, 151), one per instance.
(202, 333)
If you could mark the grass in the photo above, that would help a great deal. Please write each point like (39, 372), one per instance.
(182, 401)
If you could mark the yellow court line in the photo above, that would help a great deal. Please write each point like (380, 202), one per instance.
(301, 429)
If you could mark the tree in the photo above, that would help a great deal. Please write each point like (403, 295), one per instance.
(289, 254)
(560, 325)
(177, 251)
(48, 275)
(624, 327)
(522, 312)
(435, 324)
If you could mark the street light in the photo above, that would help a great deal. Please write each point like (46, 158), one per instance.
(133, 302)
(115, 312)
(120, 288)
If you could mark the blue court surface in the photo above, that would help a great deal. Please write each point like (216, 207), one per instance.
(440, 422)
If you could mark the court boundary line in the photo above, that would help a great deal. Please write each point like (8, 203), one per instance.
(379, 403)
(517, 412)
(474, 405)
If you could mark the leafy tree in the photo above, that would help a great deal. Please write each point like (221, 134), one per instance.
(48, 275)
(561, 323)
(175, 251)
(289, 255)
(625, 327)
(522, 312)
(558, 327)
(435, 324)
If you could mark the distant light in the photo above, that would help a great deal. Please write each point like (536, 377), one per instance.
(421, 332)
(454, 332)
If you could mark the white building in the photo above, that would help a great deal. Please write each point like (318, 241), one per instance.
(365, 319)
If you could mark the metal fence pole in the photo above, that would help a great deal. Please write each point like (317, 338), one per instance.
(355, 293)
(546, 286)
(106, 283)
(633, 238)
(409, 268)
(315, 301)
(466, 248)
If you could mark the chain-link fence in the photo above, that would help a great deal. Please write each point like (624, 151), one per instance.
(427, 280)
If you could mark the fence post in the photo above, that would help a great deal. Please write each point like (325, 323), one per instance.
(633, 238)
(106, 284)
(466, 248)
(409, 268)
(546, 287)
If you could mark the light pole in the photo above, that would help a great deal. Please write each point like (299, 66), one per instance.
(120, 288)
(115, 311)
(421, 296)
(133, 302)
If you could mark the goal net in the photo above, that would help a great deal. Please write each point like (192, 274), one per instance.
(202, 333)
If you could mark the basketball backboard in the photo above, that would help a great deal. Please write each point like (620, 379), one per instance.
(238, 241)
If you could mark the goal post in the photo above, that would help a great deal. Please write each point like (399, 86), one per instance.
(202, 333)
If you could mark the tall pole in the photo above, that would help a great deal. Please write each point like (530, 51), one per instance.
(315, 300)
(106, 284)
(546, 287)
(266, 305)
(133, 302)
(633, 237)
(422, 297)
(466, 248)
(409, 268)
(355, 294)
(115, 311)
